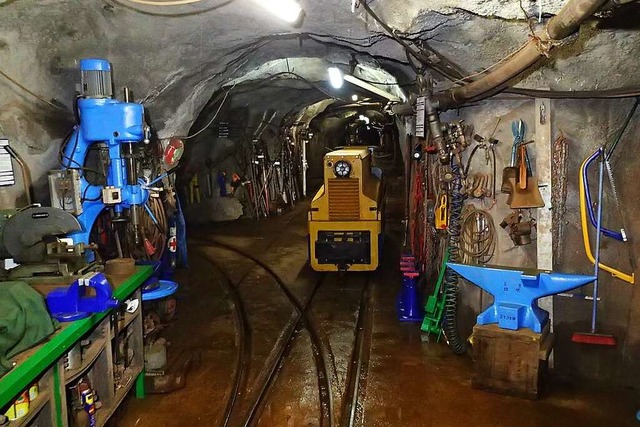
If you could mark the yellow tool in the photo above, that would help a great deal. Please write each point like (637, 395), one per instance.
(522, 178)
(585, 233)
(194, 190)
(442, 213)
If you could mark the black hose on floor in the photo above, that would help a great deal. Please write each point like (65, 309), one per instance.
(450, 321)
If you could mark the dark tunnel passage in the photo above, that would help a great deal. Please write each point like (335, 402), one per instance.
(280, 125)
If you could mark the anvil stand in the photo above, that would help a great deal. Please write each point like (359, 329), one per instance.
(511, 341)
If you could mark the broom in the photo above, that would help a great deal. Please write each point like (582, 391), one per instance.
(593, 337)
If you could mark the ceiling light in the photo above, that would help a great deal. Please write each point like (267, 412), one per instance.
(354, 97)
(370, 88)
(335, 77)
(287, 10)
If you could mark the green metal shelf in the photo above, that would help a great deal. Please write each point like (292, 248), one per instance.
(32, 363)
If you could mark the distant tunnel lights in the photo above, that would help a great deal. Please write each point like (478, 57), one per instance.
(287, 10)
(335, 77)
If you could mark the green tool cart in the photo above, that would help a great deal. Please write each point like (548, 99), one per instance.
(45, 363)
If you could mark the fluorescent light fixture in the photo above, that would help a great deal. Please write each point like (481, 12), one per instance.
(335, 77)
(369, 87)
(287, 10)
(354, 97)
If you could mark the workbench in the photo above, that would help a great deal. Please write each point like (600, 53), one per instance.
(44, 363)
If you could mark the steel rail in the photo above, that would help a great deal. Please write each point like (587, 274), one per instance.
(300, 322)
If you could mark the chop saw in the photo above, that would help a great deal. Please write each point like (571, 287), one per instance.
(34, 238)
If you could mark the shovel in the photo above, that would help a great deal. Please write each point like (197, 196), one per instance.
(525, 193)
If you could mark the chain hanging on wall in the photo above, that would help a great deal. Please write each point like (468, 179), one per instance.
(558, 192)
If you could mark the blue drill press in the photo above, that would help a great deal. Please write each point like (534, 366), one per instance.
(120, 125)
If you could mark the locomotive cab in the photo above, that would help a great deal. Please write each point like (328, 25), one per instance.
(345, 218)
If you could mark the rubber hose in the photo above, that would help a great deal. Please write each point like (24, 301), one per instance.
(562, 25)
(450, 321)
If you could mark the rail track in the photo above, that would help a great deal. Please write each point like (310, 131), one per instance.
(357, 373)
(244, 341)
(351, 408)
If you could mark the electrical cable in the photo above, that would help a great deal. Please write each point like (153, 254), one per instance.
(615, 93)
(75, 146)
(297, 77)
(247, 82)
(35, 95)
(193, 135)
(260, 80)
(622, 129)
(443, 65)
(84, 196)
(465, 171)
(71, 161)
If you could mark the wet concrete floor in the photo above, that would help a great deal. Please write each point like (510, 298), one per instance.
(409, 382)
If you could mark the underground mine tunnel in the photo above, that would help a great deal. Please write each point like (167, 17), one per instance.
(319, 213)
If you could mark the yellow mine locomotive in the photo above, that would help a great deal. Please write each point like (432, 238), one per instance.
(345, 219)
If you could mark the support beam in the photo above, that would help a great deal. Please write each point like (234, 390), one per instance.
(544, 220)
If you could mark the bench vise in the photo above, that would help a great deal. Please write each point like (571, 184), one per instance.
(79, 301)
(516, 291)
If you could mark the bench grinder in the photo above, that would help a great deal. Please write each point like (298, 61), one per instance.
(120, 125)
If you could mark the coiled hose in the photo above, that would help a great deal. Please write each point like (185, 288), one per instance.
(450, 321)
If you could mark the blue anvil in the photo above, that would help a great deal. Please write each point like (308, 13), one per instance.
(516, 292)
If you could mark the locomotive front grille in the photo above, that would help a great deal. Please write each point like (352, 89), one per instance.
(344, 199)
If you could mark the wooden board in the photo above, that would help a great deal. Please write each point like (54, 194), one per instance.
(510, 362)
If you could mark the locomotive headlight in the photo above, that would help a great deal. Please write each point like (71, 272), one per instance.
(342, 168)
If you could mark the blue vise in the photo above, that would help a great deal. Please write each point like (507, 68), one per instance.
(516, 292)
(78, 301)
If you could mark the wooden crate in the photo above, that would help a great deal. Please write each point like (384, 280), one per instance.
(510, 362)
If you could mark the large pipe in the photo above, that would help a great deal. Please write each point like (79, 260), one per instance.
(562, 25)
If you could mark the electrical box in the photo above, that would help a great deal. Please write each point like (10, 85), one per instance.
(111, 195)
(420, 117)
(64, 187)
(6, 166)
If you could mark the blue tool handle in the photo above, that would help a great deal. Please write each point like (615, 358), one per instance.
(607, 232)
